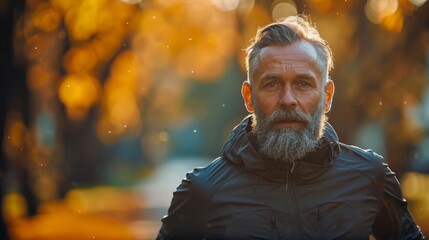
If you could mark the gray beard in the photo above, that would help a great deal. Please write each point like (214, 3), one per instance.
(288, 145)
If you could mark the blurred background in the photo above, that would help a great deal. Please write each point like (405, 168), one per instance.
(106, 104)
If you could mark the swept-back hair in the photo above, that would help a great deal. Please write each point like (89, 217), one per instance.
(284, 32)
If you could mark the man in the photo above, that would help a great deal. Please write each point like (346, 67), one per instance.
(283, 174)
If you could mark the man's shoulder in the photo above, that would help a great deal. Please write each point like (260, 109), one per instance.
(214, 174)
(363, 161)
(354, 155)
(367, 154)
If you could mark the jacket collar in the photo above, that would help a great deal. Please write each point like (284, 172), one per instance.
(239, 150)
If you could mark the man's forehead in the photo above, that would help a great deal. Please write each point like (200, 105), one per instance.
(295, 51)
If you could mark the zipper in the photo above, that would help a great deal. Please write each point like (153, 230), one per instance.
(287, 175)
(292, 193)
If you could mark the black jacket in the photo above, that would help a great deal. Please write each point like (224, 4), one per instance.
(337, 192)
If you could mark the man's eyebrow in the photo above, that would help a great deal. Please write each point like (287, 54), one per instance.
(269, 76)
(305, 76)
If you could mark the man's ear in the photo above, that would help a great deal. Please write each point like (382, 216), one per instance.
(246, 92)
(329, 95)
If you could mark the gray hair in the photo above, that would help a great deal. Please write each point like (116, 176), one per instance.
(285, 32)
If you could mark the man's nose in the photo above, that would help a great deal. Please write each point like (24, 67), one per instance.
(288, 98)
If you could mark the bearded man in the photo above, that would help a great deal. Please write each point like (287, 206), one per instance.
(282, 173)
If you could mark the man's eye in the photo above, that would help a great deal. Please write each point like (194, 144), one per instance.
(272, 85)
(303, 84)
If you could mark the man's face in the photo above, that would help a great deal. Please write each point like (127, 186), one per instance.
(289, 100)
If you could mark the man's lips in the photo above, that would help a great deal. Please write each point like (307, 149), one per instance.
(289, 124)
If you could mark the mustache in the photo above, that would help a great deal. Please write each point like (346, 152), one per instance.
(283, 115)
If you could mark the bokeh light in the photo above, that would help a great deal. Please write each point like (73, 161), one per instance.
(46, 17)
(78, 92)
(417, 3)
(80, 60)
(386, 13)
(226, 5)
(284, 9)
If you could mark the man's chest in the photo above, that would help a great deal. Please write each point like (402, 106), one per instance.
(251, 208)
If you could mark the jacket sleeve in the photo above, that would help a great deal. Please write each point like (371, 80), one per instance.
(394, 221)
(185, 214)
